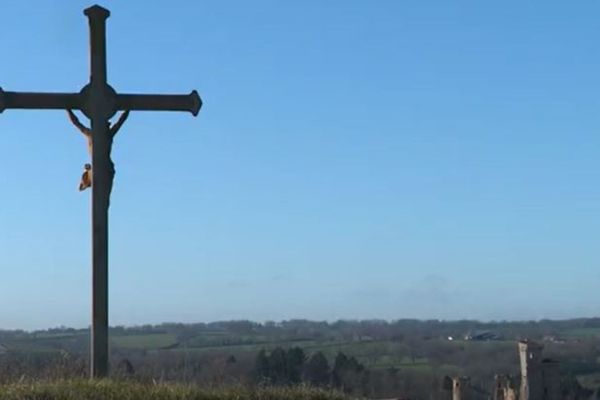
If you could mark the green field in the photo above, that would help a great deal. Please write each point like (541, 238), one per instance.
(145, 342)
(583, 332)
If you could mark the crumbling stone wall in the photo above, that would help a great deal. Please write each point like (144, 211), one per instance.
(504, 388)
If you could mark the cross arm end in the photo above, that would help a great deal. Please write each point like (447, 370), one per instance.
(2, 101)
(196, 103)
(160, 102)
(96, 11)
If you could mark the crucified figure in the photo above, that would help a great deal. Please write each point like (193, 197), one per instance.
(86, 178)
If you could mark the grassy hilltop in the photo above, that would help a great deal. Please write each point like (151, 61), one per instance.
(119, 390)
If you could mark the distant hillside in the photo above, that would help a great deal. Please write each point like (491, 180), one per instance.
(383, 359)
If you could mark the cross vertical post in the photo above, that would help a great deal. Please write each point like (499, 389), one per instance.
(99, 110)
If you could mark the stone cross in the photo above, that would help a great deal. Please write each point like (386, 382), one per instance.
(99, 102)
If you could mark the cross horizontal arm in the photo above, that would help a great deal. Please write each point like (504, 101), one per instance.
(49, 101)
(160, 102)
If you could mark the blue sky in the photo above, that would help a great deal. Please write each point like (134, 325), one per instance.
(391, 159)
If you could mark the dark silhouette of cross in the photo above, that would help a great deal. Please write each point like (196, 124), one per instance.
(99, 102)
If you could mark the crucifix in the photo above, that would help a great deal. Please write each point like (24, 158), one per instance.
(99, 102)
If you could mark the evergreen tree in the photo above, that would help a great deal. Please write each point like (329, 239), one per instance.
(349, 375)
(262, 371)
(339, 366)
(278, 366)
(295, 359)
(316, 371)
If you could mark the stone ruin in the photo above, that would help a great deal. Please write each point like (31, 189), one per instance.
(539, 380)
(505, 388)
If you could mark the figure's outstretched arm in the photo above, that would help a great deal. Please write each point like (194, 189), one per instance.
(78, 124)
(115, 128)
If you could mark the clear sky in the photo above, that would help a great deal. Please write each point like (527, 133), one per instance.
(353, 159)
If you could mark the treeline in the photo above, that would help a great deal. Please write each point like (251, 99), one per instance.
(292, 367)
(343, 329)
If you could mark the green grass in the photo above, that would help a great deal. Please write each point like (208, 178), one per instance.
(44, 342)
(590, 381)
(119, 390)
(583, 332)
(145, 342)
(248, 341)
(252, 347)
